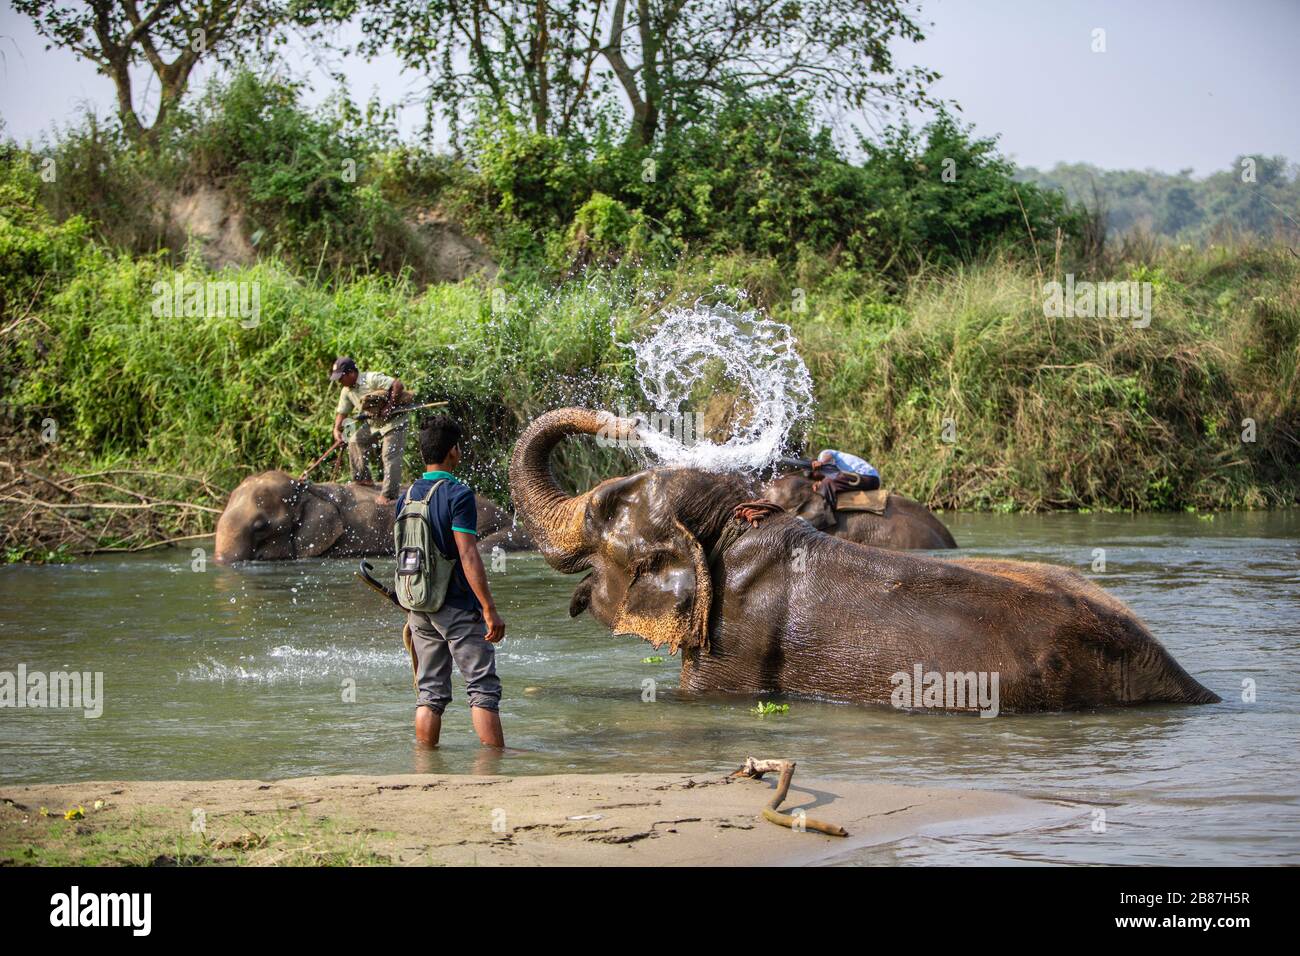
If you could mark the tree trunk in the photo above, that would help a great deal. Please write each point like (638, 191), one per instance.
(646, 125)
(541, 83)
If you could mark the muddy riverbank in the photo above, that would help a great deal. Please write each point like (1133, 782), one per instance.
(649, 819)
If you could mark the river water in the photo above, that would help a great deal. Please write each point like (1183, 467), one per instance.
(291, 669)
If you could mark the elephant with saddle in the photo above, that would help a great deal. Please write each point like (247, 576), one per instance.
(884, 519)
(759, 602)
(273, 516)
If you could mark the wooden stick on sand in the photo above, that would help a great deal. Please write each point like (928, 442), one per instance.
(756, 768)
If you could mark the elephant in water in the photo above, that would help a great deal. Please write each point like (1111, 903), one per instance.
(779, 607)
(905, 525)
(273, 516)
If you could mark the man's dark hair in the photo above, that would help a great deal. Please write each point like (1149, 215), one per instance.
(438, 436)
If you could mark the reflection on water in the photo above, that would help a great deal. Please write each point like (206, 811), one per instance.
(292, 669)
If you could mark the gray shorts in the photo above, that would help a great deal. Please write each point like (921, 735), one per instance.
(453, 634)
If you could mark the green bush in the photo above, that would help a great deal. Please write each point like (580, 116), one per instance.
(206, 395)
(324, 191)
(1075, 412)
(526, 186)
(944, 197)
(118, 189)
(604, 231)
(759, 176)
(303, 178)
(36, 253)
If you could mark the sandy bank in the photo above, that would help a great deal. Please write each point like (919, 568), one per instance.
(594, 819)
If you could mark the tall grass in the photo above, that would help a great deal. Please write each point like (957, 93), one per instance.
(1044, 413)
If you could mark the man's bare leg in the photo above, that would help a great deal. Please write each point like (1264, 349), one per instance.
(487, 724)
(428, 725)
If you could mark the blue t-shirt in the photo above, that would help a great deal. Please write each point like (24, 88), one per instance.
(451, 508)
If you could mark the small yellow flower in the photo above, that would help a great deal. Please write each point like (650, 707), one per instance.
(76, 813)
(99, 804)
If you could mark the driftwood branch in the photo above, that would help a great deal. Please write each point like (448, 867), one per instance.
(754, 769)
(197, 479)
(119, 509)
(109, 505)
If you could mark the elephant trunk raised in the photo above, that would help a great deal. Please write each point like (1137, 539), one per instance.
(556, 520)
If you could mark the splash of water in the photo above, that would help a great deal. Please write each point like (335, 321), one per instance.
(713, 369)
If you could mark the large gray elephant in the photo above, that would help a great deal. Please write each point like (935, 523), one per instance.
(904, 525)
(673, 555)
(273, 516)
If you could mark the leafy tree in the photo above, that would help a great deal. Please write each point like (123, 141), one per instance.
(563, 63)
(944, 193)
(1180, 211)
(690, 54)
(758, 174)
(534, 59)
(170, 36)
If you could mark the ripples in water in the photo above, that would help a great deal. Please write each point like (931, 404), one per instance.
(242, 674)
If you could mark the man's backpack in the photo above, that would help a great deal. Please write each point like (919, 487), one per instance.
(423, 572)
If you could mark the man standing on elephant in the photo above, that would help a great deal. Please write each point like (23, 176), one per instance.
(467, 626)
(372, 393)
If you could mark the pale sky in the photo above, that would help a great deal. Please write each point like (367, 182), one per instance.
(1182, 83)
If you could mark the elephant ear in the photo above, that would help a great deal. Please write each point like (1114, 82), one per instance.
(670, 594)
(320, 525)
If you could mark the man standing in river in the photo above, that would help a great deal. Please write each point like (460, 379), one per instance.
(467, 626)
(389, 433)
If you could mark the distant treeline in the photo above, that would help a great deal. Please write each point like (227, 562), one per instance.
(1257, 195)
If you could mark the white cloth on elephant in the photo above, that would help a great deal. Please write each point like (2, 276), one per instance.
(851, 463)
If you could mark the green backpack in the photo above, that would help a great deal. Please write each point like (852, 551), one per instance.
(423, 572)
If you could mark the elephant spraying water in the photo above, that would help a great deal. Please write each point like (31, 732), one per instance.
(757, 601)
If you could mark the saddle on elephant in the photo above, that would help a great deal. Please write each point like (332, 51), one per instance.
(845, 491)
(874, 501)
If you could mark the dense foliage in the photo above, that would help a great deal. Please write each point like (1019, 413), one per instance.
(332, 188)
(912, 279)
(1045, 413)
(569, 67)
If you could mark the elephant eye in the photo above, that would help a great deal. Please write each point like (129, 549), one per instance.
(647, 565)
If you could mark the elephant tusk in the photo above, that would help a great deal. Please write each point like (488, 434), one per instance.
(754, 769)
